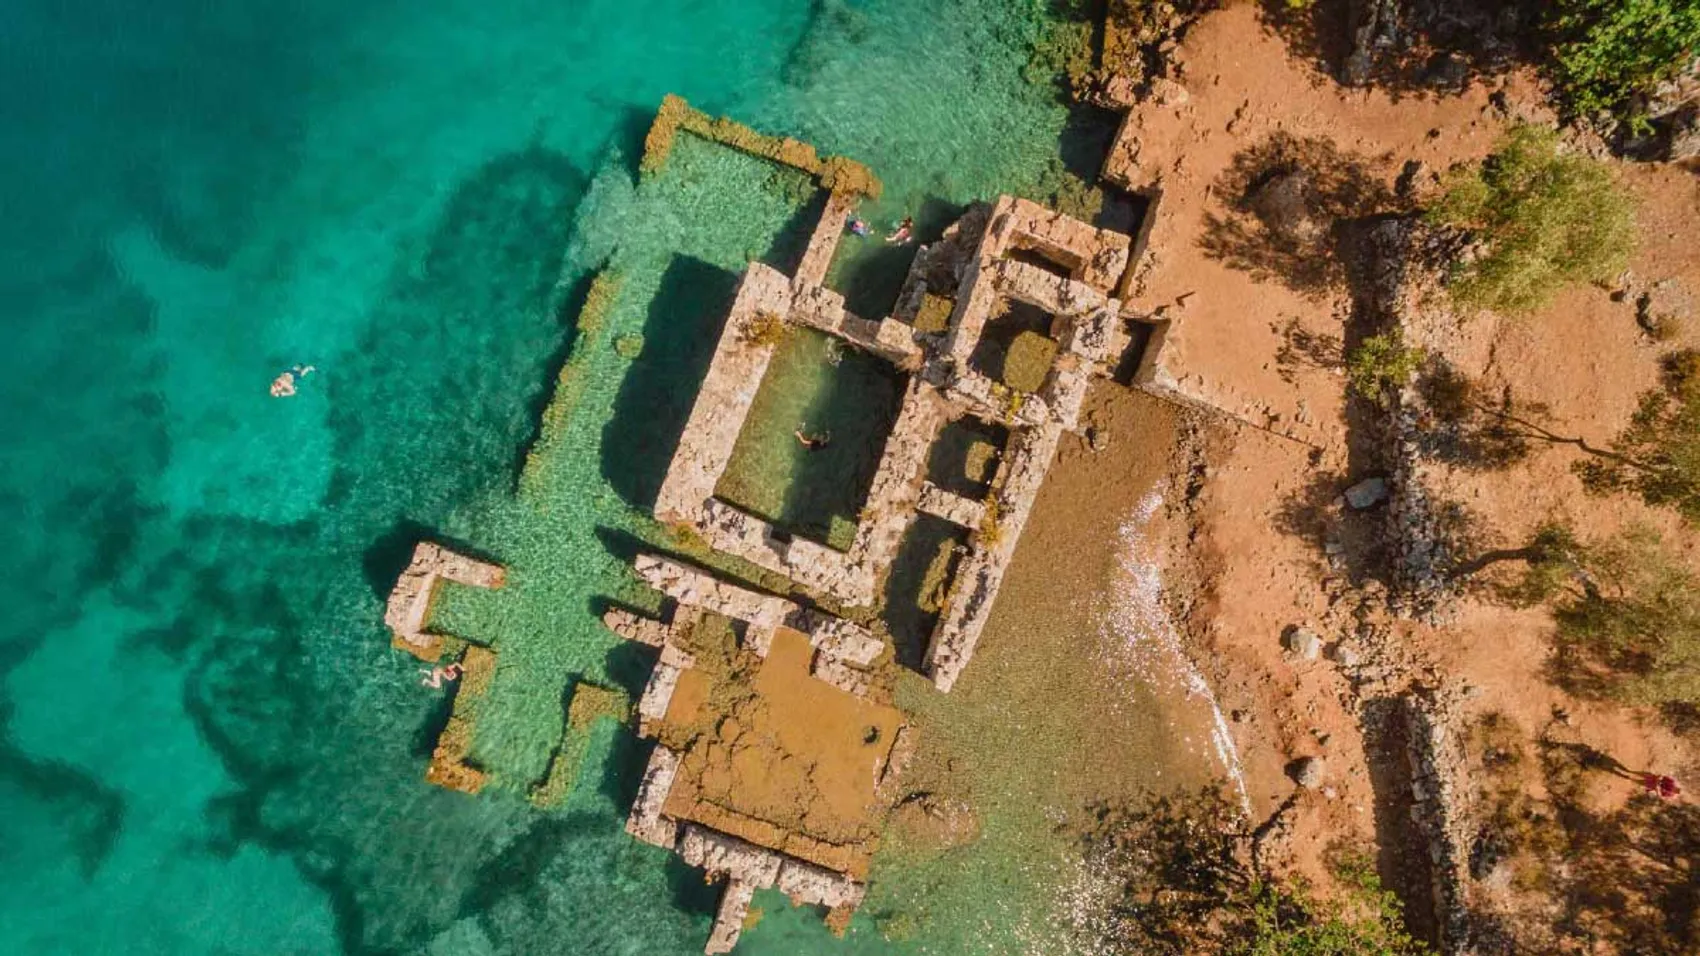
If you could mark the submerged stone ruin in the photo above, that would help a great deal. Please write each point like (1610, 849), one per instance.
(1013, 257)
(1017, 253)
(778, 754)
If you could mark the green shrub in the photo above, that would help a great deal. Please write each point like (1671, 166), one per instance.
(1362, 919)
(1382, 364)
(934, 315)
(1607, 52)
(1546, 218)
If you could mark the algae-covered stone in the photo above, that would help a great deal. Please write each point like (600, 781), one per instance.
(935, 584)
(933, 317)
(1028, 361)
(980, 462)
(628, 346)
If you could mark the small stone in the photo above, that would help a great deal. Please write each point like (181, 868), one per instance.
(1345, 656)
(1367, 493)
(1303, 642)
(1306, 772)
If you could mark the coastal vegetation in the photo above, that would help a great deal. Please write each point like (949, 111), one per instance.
(1542, 217)
(1627, 611)
(1608, 55)
(1658, 455)
(1184, 880)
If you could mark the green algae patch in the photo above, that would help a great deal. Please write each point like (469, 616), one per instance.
(452, 765)
(569, 384)
(1028, 361)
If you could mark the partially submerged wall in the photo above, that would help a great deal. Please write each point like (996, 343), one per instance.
(835, 173)
(407, 613)
(452, 765)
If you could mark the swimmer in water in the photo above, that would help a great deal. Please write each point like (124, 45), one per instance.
(905, 231)
(435, 676)
(812, 442)
(857, 226)
(284, 385)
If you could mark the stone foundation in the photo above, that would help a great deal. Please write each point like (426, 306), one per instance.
(408, 612)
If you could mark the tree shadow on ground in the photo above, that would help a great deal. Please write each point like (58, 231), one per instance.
(655, 399)
(1303, 349)
(1465, 426)
(1419, 48)
(1627, 876)
(1290, 205)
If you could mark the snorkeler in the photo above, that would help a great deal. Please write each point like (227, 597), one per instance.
(905, 231)
(856, 226)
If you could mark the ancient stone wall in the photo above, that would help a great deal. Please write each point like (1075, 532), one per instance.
(1438, 809)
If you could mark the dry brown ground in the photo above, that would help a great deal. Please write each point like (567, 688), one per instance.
(1583, 357)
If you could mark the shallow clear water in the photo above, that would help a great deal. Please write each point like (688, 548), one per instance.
(206, 744)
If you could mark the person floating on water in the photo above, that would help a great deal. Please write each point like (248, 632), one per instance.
(284, 385)
(856, 226)
(435, 676)
(812, 442)
(905, 231)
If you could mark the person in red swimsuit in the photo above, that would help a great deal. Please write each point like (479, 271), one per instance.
(1661, 786)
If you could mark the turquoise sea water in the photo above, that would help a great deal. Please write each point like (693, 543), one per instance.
(206, 744)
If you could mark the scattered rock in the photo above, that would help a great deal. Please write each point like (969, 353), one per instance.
(1304, 643)
(1367, 493)
(1285, 205)
(1662, 308)
(1682, 139)
(1306, 772)
(1345, 656)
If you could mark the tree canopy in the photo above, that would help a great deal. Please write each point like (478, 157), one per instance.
(1544, 218)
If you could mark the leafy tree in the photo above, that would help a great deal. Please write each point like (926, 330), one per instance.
(1544, 217)
(1608, 52)
(1658, 455)
(1628, 615)
(1381, 364)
